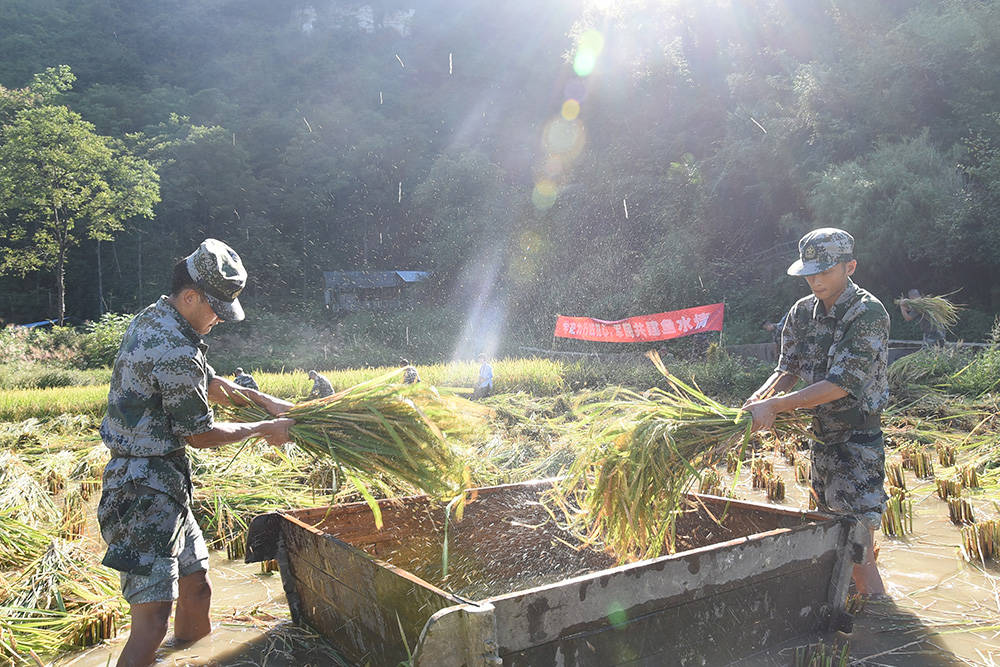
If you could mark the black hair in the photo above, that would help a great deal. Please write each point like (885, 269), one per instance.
(181, 279)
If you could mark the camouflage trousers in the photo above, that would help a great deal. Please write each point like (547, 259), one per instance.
(152, 540)
(848, 477)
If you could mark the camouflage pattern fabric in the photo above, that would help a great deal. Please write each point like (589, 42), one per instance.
(158, 396)
(410, 375)
(246, 380)
(821, 249)
(153, 541)
(849, 346)
(321, 387)
(848, 477)
(218, 271)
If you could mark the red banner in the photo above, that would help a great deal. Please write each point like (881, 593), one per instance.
(644, 328)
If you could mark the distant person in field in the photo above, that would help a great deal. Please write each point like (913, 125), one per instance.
(158, 405)
(410, 374)
(774, 328)
(932, 331)
(245, 379)
(836, 341)
(484, 383)
(321, 386)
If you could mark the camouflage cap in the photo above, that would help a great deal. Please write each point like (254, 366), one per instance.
(821, 249)
(218, 272)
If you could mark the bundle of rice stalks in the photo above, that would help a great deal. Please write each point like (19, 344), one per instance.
(789, 450)
(733, 460)
(960, 511)
(63, 599)
(20, 542)
(916, 458)
(948, 488)
(760, 470)
(938, 309)
(775, 488)
(28, 500)
(821, 655)
(74, 519)
(970, 478)
(897, 519)
(91, 464)
(381, 427)
(894, 475)
(626, 486)
(802, 471)
(710, 483)
(981, 541)
(946, 454)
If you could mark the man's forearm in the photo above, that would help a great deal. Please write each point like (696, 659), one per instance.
(221, 390)
(815, 394)
(777, 383)
(226, 433)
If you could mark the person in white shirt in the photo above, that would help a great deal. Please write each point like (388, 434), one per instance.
(484, 385)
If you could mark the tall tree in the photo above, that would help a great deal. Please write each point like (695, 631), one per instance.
(60, 181)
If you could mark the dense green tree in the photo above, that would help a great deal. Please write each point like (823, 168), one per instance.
(60, 181)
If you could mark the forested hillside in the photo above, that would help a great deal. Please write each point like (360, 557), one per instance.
(605, 157)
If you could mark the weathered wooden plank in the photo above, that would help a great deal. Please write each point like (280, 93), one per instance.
(528, 618)
(705, 630)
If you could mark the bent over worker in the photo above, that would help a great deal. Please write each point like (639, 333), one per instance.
(158, 404)
(836, 341)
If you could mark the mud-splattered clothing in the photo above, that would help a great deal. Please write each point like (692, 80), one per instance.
(158, 396)
(849, 347)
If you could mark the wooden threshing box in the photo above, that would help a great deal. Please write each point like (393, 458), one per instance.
(522, 593)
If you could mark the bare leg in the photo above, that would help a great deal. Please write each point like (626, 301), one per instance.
(867, 579)
(149, 627)
(194, 598)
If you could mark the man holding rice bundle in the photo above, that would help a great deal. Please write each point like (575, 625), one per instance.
(157, 405)
(836, 341)
(933, 332)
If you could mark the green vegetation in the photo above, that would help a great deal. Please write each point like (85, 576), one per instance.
(703, 138)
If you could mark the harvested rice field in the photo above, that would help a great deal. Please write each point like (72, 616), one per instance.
(940, 560)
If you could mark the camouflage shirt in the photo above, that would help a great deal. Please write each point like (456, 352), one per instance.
(849, 346)
(159, 395)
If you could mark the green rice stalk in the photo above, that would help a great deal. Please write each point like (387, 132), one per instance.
(74, 519)
(20, 543)
(63, 599)
(21, 492)
(626, 486)
(939, 309)
(897, 519)
(384, 428)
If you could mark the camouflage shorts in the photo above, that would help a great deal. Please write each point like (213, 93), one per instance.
(152, 540)
(848, 477)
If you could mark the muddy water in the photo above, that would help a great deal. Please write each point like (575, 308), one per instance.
(942, 607)
(941, 611)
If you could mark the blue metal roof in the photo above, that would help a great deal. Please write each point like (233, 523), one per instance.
(371, 279)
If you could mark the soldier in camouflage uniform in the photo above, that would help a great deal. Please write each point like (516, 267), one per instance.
(932, 332)
(321, 386)
(158, 404)
(245, 379)
(836, 341)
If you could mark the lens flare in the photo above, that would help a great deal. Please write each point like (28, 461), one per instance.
(570, 109)
(588, 47)
(544, 194)
(563, 137)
